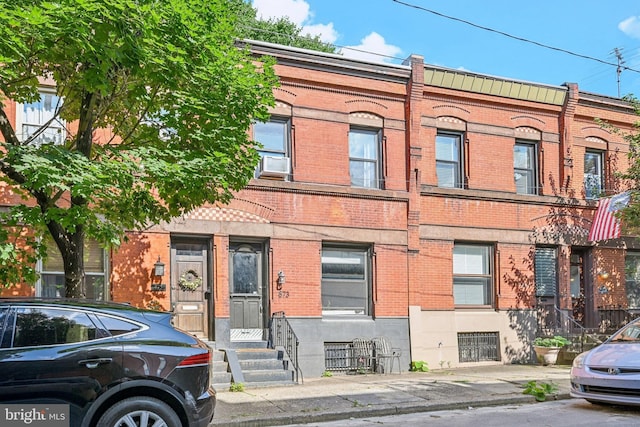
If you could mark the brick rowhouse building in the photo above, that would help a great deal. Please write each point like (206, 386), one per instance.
(385, 204)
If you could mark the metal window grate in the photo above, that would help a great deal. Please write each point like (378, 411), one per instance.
(338, 356)
(478, 346)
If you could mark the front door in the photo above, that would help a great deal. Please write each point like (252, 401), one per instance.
(582, 297)
(189, 285)
(246, 291)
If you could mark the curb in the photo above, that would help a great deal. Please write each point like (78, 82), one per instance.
(287, 419)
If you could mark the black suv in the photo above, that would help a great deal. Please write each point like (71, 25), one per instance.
(112, 364)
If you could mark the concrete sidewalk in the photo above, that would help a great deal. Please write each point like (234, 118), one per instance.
(356, 396)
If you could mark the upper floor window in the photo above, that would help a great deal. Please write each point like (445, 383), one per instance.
(472, 274)
(525, 168)
(40, 120)
(345, 281)
(449, 160)
(52, 272)
(273, 137)
(593, 174)
(364, 157)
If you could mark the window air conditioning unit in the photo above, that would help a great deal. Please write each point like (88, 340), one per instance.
(271, 166)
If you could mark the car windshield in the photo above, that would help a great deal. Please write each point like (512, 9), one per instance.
(630, 333)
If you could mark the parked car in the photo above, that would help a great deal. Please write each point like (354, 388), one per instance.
(113, 364)
(610, 373)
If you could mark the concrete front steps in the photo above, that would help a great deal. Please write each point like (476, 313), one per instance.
(252, 365)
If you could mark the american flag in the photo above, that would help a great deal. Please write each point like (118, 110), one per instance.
(605, 225)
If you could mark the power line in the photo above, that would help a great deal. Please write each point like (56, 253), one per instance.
(591, 58)
(337, 46)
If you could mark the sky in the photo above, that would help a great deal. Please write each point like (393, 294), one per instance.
(594, 43)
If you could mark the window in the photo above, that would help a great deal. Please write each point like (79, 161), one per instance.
(52, 272)
(524, 168)
(545, 265)
(632, 279)
(34, 115)
(36, 327)
(593, 175)
(448, 160)
(116, 326)
(478, 346)
(273, 136)
(345, 281)
(275, 162)
(364, 168)
(5, 336)
(472, 276)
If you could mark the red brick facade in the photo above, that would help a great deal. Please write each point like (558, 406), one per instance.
(408, 226)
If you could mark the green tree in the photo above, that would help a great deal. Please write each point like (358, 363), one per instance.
(281, 30)
(629, 179)
(168, 86)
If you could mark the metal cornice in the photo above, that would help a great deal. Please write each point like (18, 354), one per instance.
(329, 62)
(495, 86)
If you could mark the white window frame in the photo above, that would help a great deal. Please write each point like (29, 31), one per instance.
(55, 276)
(454, 163)
(366, 158)
(473, 274)
(594, 180)
(529, 171)
(352, 255)
(275, 123)
(55, 133)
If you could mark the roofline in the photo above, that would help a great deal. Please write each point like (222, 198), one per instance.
(316, 60)
(491, 76)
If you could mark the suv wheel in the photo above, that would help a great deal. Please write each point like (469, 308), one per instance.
(140, 411)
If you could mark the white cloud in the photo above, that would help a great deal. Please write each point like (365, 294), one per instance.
(631, 26)
(326, 32)
(297, 11)
(372, 48)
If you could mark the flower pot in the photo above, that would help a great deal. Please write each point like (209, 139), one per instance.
(547, 355)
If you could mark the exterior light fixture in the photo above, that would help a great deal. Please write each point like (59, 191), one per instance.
(281, 279)
(158, 268)
(604, 275)
(158, 272)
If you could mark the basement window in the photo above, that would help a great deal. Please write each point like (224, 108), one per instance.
(478, 346)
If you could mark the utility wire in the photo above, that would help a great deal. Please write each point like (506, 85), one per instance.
(591, 58)
(336, 46)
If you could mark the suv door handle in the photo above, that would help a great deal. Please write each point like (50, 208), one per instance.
(94, 363)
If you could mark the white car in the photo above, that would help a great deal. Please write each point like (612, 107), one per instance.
(610, 373)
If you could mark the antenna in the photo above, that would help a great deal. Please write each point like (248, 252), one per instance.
(618, 53)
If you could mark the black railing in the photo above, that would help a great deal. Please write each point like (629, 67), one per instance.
(614, 317)
(281, 335)
(554, 321)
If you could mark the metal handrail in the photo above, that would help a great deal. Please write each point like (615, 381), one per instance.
(566, 325)
(281, 334)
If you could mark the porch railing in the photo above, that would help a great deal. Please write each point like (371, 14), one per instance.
(554, 321)
(614, 317)
(281, 335)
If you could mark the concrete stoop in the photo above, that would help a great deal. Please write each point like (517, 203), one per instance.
(253, 367)
(220, 377)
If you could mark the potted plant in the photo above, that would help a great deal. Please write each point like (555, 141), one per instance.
(547, 348)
